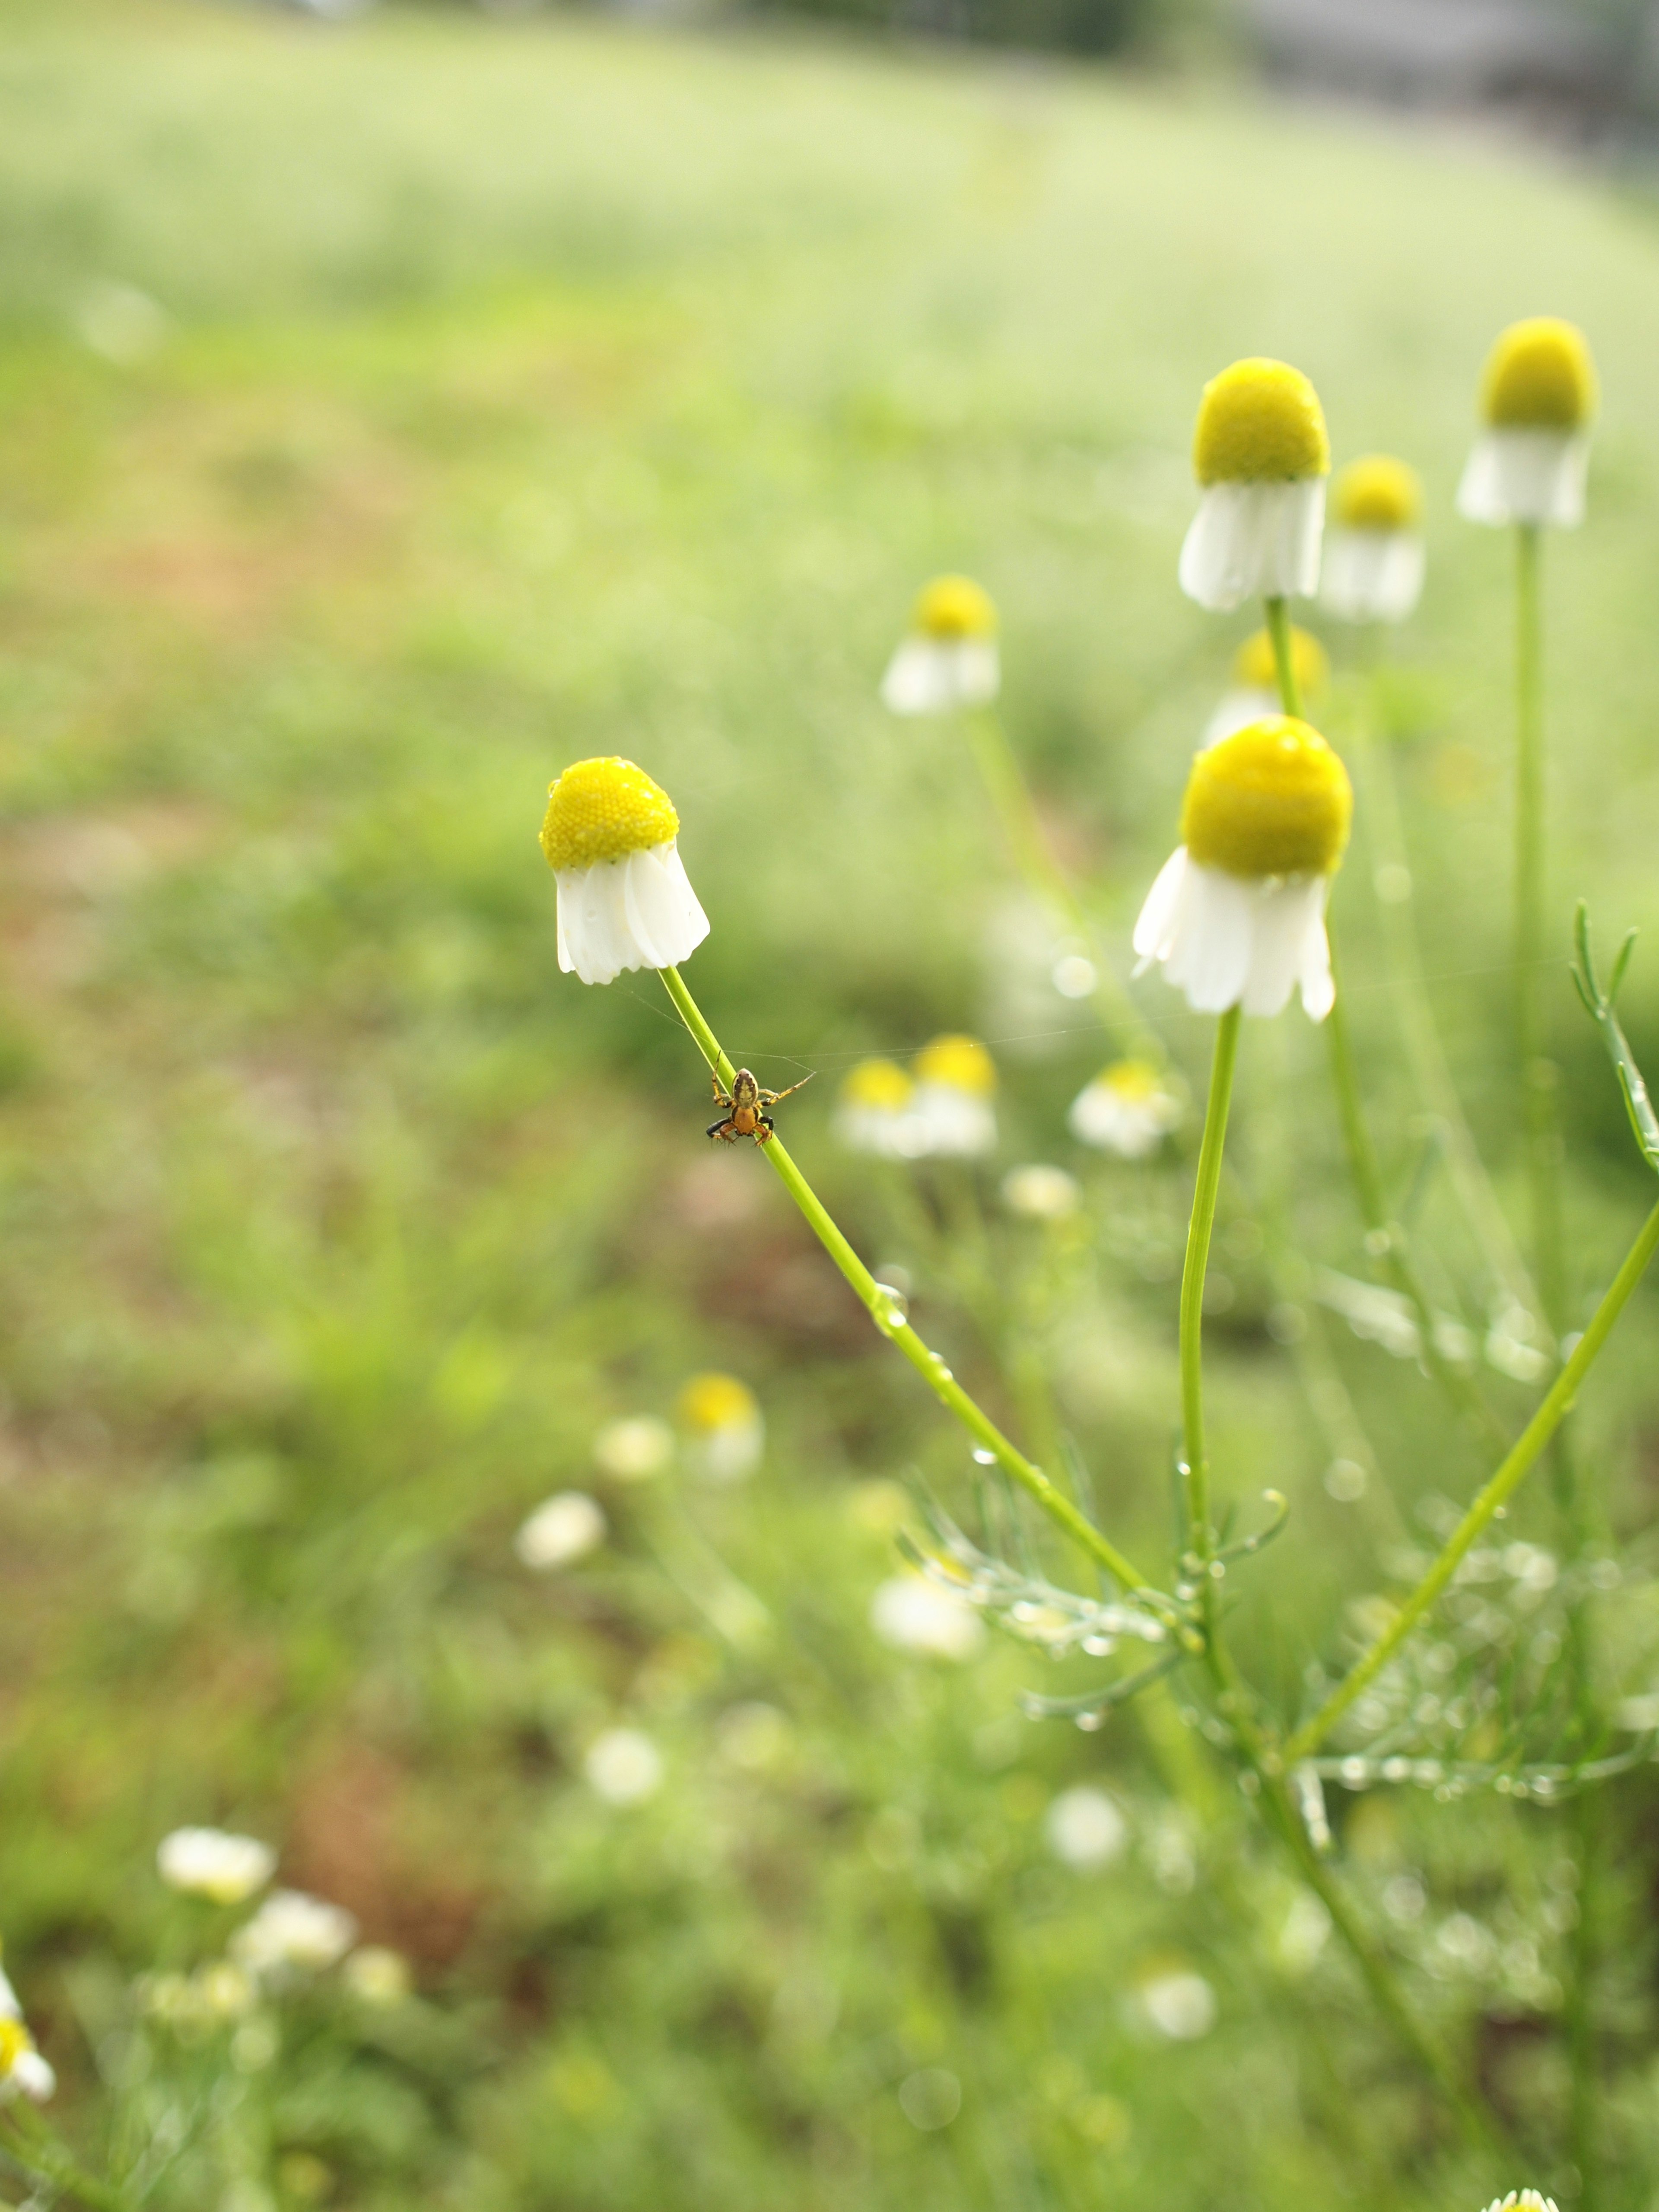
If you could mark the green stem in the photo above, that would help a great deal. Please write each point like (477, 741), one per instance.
(1279, 629)
(1495, 1493)
(884, 1312)
(1386, 1240)
(1539, 1073)
(1200, 1536)
(1010, 795)
(38, 2153)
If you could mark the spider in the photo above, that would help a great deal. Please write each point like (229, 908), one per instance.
(744, 1109)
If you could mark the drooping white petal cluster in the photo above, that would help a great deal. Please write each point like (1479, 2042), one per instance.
(935, 676)
(293, 1933)
(1229, 941)
(1254, 539)
(638, 912)
(211, 1862)
(1372, 575)
(1532, 476)
(23, 2071)
(1127, 1109)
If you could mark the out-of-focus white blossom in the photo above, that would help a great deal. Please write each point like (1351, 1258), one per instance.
(294, 1933)
(211, 1862)
(566, 1528)
(1085, 1829)
(913, 1614)
(624, 1766)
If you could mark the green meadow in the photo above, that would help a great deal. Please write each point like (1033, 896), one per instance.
(392, 415)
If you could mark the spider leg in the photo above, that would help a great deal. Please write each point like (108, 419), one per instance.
(720, 1098)
(763, 1130)
(773, 1097)
(723, 1130)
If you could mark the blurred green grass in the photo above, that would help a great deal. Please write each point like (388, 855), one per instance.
(530, 390)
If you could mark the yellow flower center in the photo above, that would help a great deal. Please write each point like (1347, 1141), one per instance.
(603, 809)
(1377, 493)
(877, 1083)
(717, 1401)
(15, 2040)
(1539, 376)
(1255, 668)
(1273, 799)
(1136, 1082)
(954, 607)
(1260, 419)
(961, 1063)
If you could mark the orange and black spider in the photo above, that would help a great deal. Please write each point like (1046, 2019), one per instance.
(745, 1114)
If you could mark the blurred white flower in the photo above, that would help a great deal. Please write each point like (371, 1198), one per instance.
(211, 1862)
(725, 1430)
(1538, 399)
(1374, 552)
(377, 1976)
(566, 1528)
(955, 1081)
(635, 1448)
(1128, 1108)
(225, 1989)
(948, 659)
(23, 2071)
(1180, 2004)
(915, 1614)
(1085, 1829)
(292, 1930)
(624, 1766)
(873, 1112)
(1040, 1194)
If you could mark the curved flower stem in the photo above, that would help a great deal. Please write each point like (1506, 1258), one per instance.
(1386, 1240)
(1010, 795)
(1200, 1536)
(1497, 1492)
(884, 1310)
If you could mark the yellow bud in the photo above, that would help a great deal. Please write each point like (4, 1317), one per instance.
(603, 809)
(954, 607)
(961, 1063)
(1539, 376)
(1260, 419)
(1377, 493)
(877, 1083)
(1135, 1081)
(1273, 799)
(717, 1401)
(1255, 668)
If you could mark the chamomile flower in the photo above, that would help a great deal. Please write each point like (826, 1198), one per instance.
(1374, 550)
(726, 1432)
(23, 2071)
(212, 1863)
(948, 657)
(1522, 2200)
(912, 1613)
(624, 898)
(955, 1081)
(624, 1766)
(292, 1933)
(1261, 456)
(873, 1111)
(1538, 399)
(1128, 1108)
(1253, 691)
(565, 1528)
(1237, 914)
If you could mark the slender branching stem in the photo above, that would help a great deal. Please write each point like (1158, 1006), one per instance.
(884, 1311)
(1497, 1493)
(1201, 1535)
(1035, 858)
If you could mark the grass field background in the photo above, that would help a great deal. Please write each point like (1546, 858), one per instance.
(521, 391)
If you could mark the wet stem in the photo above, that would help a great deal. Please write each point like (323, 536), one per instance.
(892, 1324)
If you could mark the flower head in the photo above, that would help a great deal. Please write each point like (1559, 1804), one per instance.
(873, 1111)
(1374, 552)
(209, 1862)
(1039, 1193)
(1261, 454)
(1237, 914)
(624, 898)
(293, 1933)
(21, 2067)
(624, 1766)
(566, 1528)
(635, 1448)
(948, 657)
(1253, 692)
(377, 1976)
(912, 1613)
(1128, 1108)
(1085, 1829)
(1538, 399)
(725, 1431)
(1528, 2200)
(955, 1080)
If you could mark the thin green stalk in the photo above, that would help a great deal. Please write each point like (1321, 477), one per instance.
(1279, 628)
(1539, 1074)
(884, 1312)
(1386, 1239)
(1201, 1535)
(38, 2153)
(1010, 795)
(1471, 1185)
(1497, 1492)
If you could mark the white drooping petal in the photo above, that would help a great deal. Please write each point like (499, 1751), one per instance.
(1254, 539)
(1372, 575)
(1236, 710)
(932, 676)
(209, 1863)
(951, 1123)
(637, 912)
(1228, 940)
(889, 1132)
(33, 2075)
(292, 1930)
(1526, 476)
(1132, 1124)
